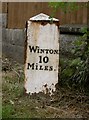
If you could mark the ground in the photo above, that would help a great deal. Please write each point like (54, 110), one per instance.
(65, 103)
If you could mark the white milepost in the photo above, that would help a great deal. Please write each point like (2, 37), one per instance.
(42, 54)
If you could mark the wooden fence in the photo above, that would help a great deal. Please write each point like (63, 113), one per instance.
(19, 12)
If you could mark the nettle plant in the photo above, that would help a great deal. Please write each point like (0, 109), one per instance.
(76, 71)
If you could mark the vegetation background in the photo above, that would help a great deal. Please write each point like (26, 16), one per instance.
(71, 99)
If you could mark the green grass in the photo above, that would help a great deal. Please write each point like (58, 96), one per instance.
(17, 104)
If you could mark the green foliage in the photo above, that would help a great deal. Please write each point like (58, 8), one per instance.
(76, 71)
(66, 7)
(7, 111)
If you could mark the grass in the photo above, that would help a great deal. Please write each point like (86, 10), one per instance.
(17, 104)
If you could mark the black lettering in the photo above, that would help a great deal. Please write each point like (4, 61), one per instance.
(56, 51)
(30, 66)
(40, 61)
(40, 67)
(46, 51)
(50, 68)
(45, 59)
(32, 48)
(41, 50)
(36, 66)
(46, 68)
(38, 50)
(51, 51)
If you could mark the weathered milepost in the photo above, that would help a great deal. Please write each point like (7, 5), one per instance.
(42, 54)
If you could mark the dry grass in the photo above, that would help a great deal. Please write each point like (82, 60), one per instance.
(64, 103)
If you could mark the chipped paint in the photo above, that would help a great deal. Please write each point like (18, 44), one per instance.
(42, 17)
(42, 56)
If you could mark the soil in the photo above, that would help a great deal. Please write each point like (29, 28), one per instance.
(64, 103)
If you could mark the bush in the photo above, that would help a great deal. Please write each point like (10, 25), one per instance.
(76, 71)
